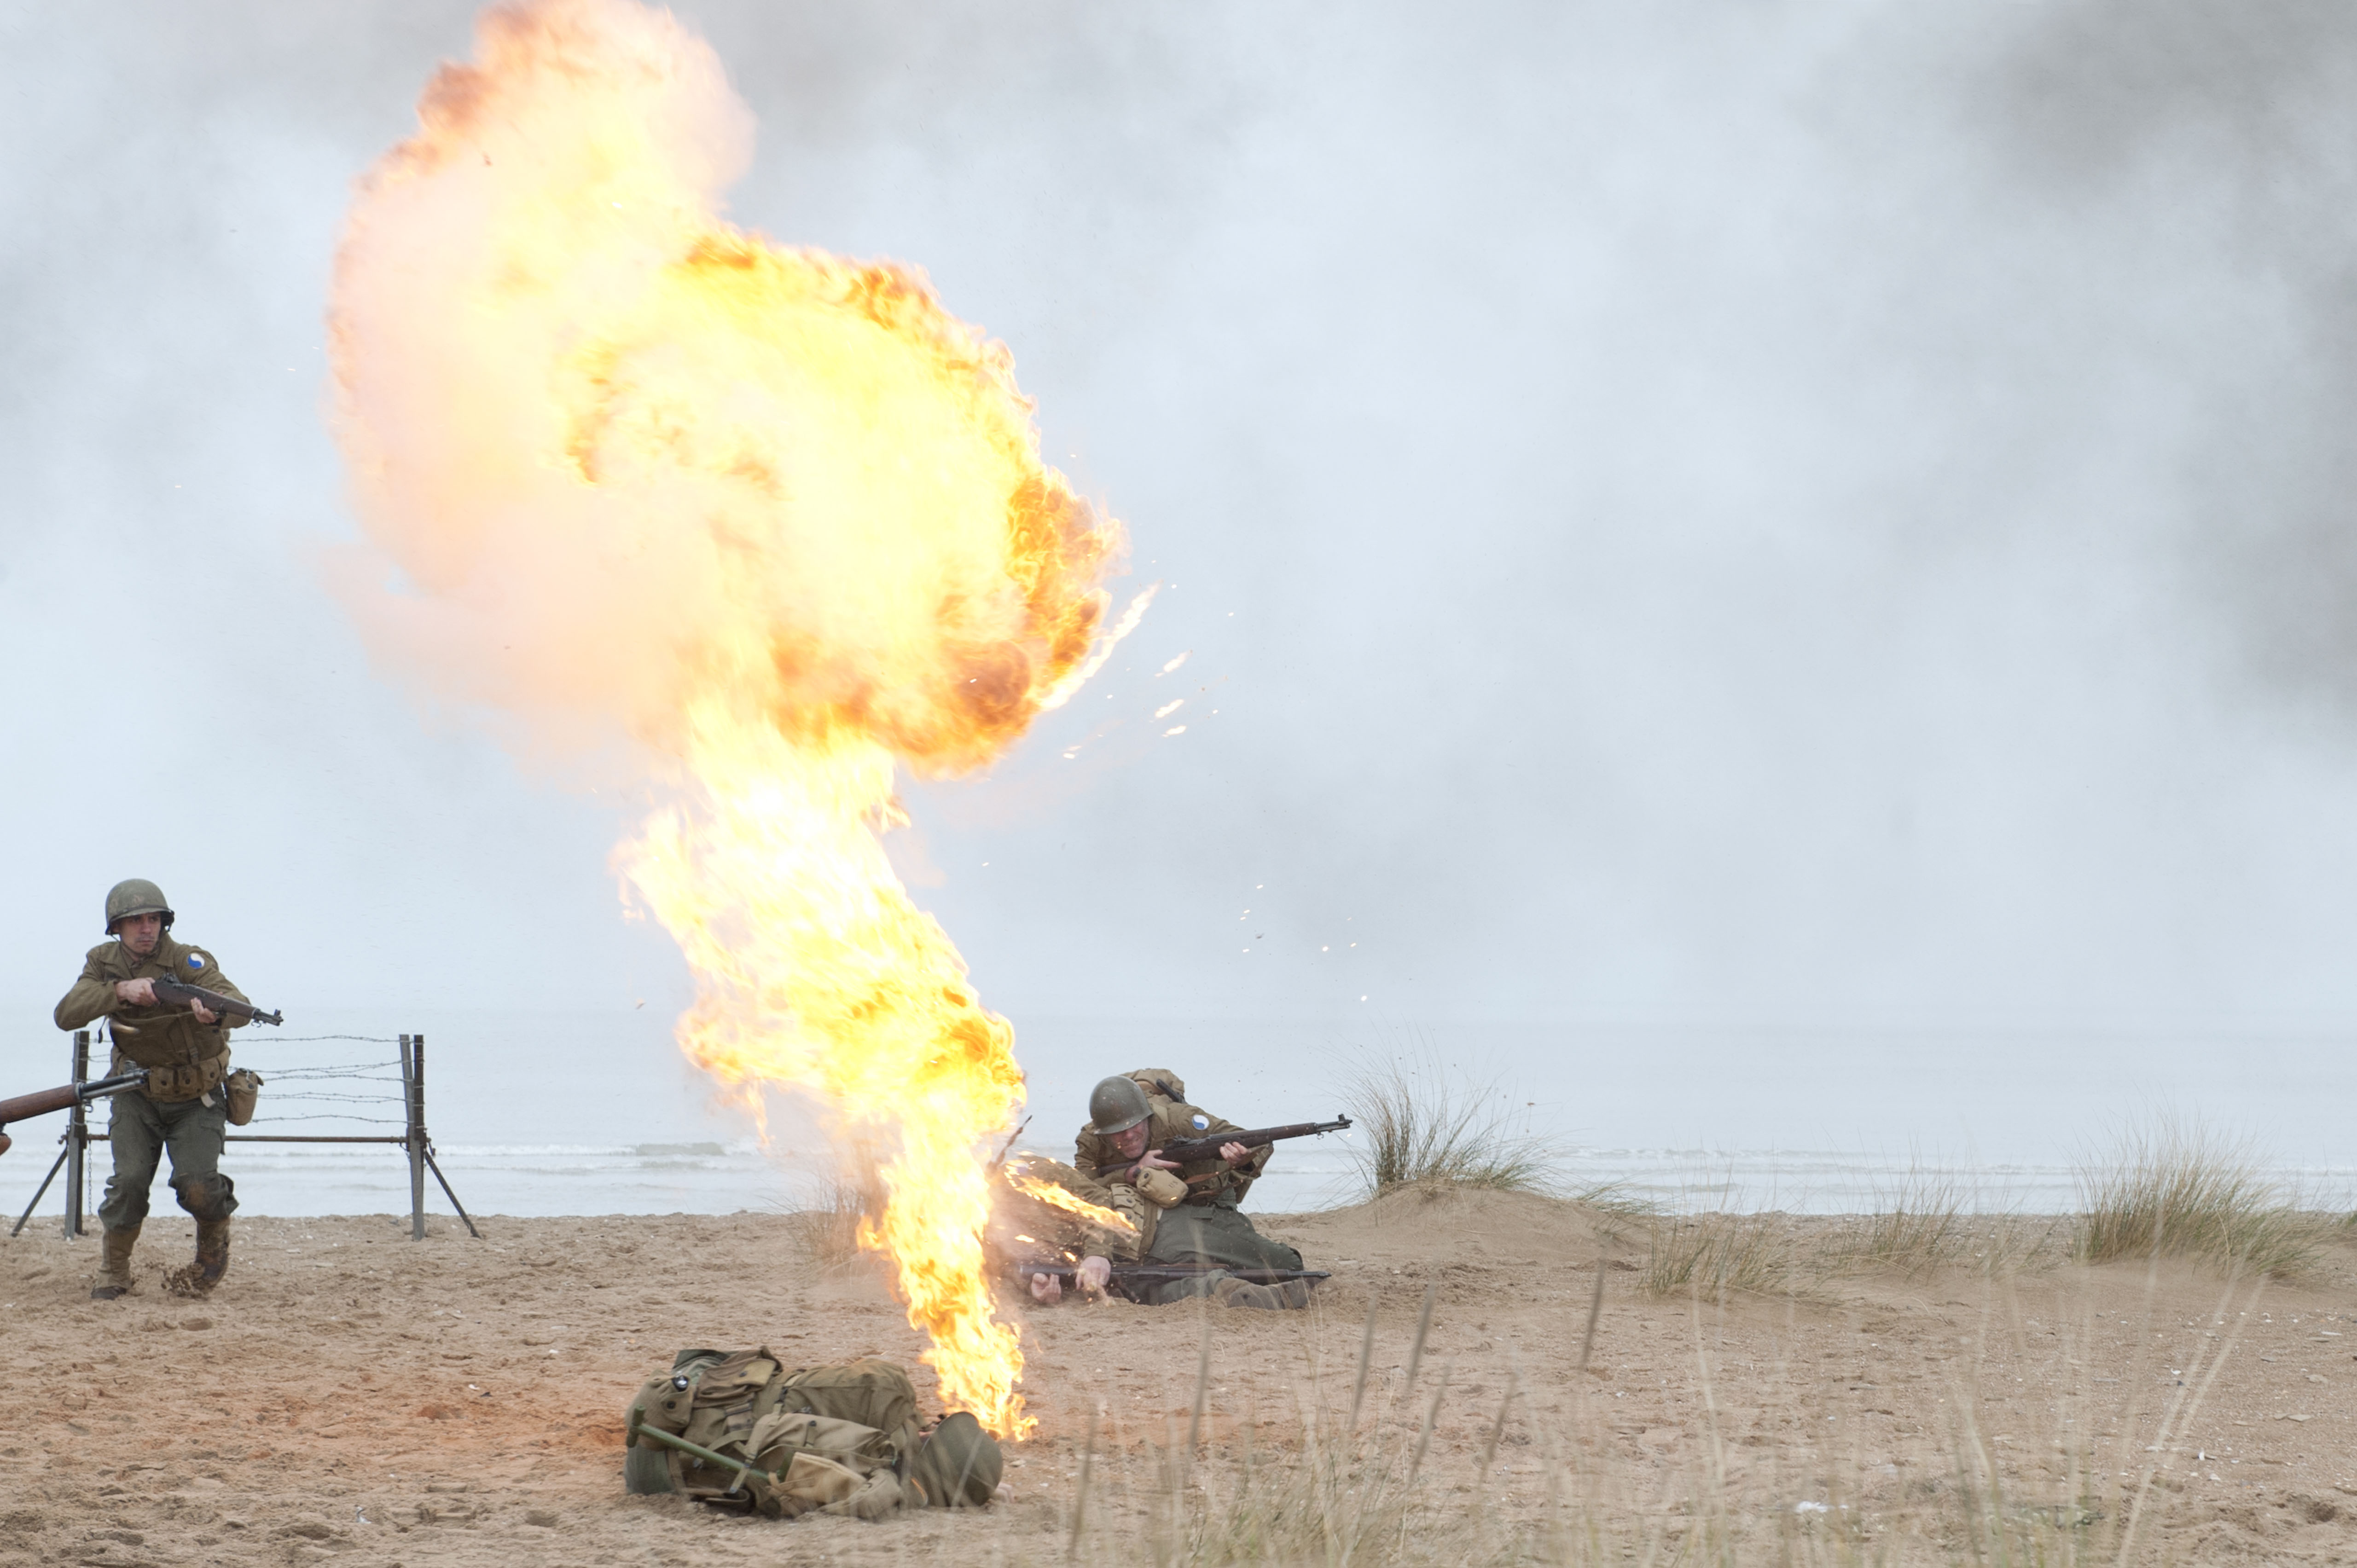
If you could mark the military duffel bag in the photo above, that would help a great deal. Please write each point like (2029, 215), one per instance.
(840, 1439)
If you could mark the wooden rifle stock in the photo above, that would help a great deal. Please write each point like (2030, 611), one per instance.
(174, 991)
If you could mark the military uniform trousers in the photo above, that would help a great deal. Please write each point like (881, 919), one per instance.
(1215, 1233)
(141, 1131)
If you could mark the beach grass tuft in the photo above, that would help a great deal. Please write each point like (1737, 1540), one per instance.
(831, 1212)
(1718, 1252)
(2174, 1188)
(1422, 1125)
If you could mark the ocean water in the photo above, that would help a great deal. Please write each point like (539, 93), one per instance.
(542, 1113)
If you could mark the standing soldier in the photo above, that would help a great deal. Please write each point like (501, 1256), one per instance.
(1189, 1212)
(183, 1106)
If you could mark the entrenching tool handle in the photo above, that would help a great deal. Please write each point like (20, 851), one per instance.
(744, 1468)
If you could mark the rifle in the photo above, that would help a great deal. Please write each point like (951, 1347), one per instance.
(47, 1099)
(1185, 1151)
(1128, 1278)
(173, 991)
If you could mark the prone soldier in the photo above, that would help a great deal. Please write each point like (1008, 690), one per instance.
(183, 1108)
(1189, 1210)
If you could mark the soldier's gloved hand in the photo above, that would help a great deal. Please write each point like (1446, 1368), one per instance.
(140, 993)
(1094, 1274)
(1047, 1288)
(1235, 1153)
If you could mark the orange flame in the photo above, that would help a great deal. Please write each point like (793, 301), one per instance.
(1055, 1197)
(764, 521)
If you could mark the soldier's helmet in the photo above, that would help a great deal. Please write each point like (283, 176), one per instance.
(135, 897)
(1115, 1105)
(959, 1463)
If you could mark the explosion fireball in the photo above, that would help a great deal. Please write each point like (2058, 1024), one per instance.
(1055, 1197)
(765, 523)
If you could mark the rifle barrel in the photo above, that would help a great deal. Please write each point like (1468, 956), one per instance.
(1185, 1151)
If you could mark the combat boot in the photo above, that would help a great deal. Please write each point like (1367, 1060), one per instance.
(212, 1260)
(114, 1264)
(1234, 1292)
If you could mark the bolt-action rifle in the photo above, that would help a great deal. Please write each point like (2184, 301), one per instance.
(173, 991)
(1130, 1279)
(1186, 1151)
(25, 1106)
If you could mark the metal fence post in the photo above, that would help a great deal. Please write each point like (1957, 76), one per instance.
(412, 1095)
(77, 1138)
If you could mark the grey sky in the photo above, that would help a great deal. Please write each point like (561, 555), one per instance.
(1796, 515)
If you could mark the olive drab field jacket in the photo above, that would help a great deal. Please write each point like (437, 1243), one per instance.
(1206, 1181)
(185, 1058)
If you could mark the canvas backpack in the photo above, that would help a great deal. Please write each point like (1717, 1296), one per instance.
(840, 1439)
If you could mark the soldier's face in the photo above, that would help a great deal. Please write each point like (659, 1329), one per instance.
(1131, 1143)
(140, 933)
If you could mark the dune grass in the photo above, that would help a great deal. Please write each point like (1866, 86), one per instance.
(1422, 1125)
(2167, 1189)
(1711, 1255)
(831, 1211)
(1362, 1477)
(2177, 1188)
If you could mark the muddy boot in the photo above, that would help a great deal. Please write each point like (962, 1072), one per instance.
(1234, 1292)
(212, 1261)
(114, 1264)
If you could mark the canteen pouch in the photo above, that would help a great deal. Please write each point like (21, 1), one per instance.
(242, 1087)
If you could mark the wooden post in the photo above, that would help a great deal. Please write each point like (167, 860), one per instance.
(413, 1090)
(77, 1138)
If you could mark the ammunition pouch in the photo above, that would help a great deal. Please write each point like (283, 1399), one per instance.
(178, 1081)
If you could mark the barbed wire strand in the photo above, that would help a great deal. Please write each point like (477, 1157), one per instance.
(304, 1075)
(332, 1116)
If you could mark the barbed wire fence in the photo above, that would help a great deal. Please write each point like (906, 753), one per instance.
(350, 1093)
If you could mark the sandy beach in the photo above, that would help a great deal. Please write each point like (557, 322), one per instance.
(350, 1394)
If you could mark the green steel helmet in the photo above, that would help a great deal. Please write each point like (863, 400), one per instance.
(1115, 1105)
(959, 1463)
(136, 897)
